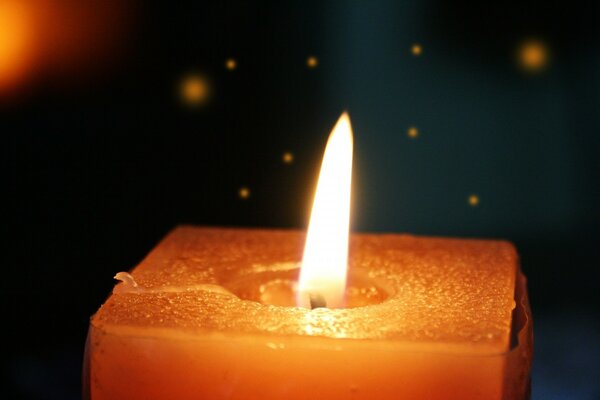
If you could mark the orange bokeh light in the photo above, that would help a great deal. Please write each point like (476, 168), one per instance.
(416, 49)
(244, 193)
(312, 62)
(195, 90)
(231, 64)
(288, 157)
(16, 41)
(533, 55)
(412, 132)
(473, 200)
(60, 40)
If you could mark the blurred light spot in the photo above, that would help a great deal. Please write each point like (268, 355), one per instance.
(532, 55)
(194, 90)
(312, 62)
(416, 49)
(16, 37)
(473, 200)
(287, 157)
(412, 132)
(244, 193)
(231, 64)
(61, 41)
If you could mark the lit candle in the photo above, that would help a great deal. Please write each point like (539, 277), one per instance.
(211, 313)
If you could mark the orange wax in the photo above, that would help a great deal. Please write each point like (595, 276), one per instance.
(433, 319)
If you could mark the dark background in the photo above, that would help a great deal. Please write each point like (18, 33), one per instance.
(100, 167)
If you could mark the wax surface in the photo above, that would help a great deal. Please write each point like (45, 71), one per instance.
(443, 328)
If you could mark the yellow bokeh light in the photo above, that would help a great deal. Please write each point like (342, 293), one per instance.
(312, 62)
(287, 157)
(533, 55)
(231, 64)
(194, 90)
(473, 200)
(416, 49)
(244, 193)
(412, 132)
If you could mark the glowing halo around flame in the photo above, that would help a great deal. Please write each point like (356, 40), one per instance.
(325, 262)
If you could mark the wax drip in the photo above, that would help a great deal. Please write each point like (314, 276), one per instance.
(126, 279)
(129, 285)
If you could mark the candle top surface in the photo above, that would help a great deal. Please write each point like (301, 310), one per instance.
(442, 293)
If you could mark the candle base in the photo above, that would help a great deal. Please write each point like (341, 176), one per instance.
(516, 380)
(194, 325)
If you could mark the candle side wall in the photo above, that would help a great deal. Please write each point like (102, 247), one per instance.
(128, 367)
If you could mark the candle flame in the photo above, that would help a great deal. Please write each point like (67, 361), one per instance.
(325, 262)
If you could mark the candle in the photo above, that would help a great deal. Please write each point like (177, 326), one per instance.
(216, 313)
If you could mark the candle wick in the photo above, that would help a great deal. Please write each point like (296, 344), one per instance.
(317, 301)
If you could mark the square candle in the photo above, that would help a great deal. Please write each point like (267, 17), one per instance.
(210, 314)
